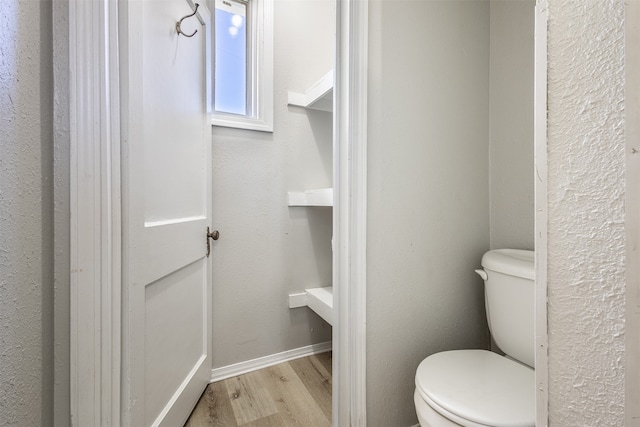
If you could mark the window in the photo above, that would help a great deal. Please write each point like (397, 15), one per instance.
(243, 64)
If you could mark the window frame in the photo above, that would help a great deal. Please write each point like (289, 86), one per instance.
(259, 71)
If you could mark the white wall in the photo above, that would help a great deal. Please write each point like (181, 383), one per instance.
(26, 214)
(266, 249)
(586, 230)
(511, 173)
(586, 206)
(428, 196)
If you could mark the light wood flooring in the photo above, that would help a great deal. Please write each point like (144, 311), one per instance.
(294, 393)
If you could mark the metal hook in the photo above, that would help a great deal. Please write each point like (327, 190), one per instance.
(183, 18)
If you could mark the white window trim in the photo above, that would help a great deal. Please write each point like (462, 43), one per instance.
(262, 73)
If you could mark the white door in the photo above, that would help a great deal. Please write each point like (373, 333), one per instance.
(166, 211)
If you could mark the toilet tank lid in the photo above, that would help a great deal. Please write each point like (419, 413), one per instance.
(515, 262)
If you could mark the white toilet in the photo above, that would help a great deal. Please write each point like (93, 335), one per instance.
(479, 388)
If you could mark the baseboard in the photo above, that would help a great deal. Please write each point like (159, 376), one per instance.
(219, 374)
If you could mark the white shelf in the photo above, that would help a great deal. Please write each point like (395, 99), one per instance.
(319, 197)
(320, 300)
(317, 97)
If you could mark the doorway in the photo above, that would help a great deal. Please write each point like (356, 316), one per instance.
(97, 379)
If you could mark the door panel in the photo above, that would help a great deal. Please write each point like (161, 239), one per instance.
(166, 339)
(167, 205)
(173, 77)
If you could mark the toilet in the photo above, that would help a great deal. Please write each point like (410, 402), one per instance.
(480, 388)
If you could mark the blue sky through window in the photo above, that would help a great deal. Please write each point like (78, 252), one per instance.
(231, 57)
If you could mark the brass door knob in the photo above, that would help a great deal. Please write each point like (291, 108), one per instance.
(215, 235)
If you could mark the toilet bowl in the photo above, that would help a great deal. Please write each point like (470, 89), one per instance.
(480, 388)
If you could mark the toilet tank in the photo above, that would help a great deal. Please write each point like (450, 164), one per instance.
(509, 298)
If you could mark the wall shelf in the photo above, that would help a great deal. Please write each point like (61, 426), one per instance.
(319, 197)
(317, 97)
(320, 300)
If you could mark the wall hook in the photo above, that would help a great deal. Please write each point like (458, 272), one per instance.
(183, 18)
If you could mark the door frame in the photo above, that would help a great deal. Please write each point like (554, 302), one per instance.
(96, 216)
(350, 213)
(541, 211)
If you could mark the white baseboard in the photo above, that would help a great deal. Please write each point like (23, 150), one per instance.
(219, 374)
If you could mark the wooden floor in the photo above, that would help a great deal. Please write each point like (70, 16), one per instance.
(294, 393)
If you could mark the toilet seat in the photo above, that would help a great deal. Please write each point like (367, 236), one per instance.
(429, 417)
(478, 388)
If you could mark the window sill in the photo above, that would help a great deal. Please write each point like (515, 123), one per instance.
(242, 123)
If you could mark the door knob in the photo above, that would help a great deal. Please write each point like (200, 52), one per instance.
(215, 235)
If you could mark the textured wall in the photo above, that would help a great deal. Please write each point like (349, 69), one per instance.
(266, 249)
(428, 195)
(586, 237)
(511, 124)
(632, 209)
(61, 188)
(26, 214)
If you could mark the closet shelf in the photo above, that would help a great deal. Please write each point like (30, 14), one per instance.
(317, 97)
(320, 300)
(319, 197)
